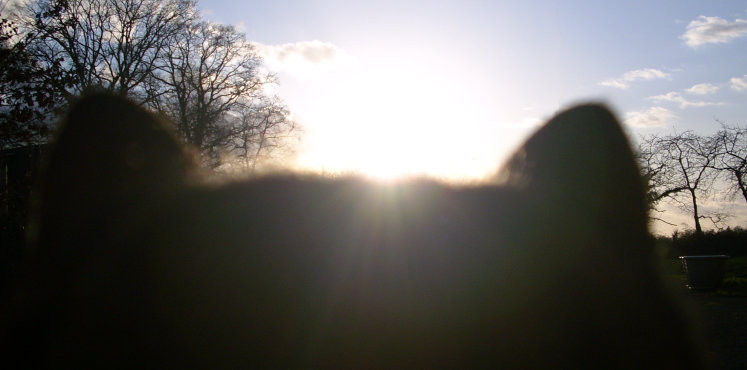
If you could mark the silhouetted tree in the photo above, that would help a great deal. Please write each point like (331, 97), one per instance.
(28, 98)
(731, 146)
(206, 77)
(261, 129)
(210, 83)
(114, 44)
(679, 167)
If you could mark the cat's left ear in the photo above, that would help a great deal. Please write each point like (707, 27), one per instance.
(110, 157)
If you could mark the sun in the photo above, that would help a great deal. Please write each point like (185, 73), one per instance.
(393, 124)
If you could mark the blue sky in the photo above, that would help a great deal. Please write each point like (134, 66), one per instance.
(449, 88)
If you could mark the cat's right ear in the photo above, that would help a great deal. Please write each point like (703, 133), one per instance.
(580, 173)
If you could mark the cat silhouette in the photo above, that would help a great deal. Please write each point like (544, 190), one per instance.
(136, 262)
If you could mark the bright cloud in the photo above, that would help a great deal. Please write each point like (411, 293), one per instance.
(652, 117)
(713, 30)
(240, 26)
(305, 58)
(675, 97)
(739, 83)
(524, 123)
(703, 89)
(623, 82)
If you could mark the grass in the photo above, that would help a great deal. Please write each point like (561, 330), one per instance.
(735, 275)
(722, 314)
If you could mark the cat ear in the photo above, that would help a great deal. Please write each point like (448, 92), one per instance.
(109, 157)
(579, 170)
(108, 133)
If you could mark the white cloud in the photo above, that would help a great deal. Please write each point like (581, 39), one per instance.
(713, 30)
(703, 89)
(652, 117)
(739, 83)
(623, 81)
(305, 58)
(241, 26)
(530, 122)
(675, 97)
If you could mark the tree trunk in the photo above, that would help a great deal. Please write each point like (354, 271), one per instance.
(696, 216)
(742, 185)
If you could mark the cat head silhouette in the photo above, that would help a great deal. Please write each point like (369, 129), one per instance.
(550, 266)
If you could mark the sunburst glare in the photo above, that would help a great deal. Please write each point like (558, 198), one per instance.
(390, 124)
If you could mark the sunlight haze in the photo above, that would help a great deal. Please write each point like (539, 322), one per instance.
(449, 88)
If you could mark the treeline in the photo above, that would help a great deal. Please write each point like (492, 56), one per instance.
(206, 77)
(687, 170)
(731, 242)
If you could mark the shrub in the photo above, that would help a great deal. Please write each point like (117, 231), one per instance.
(732, 242)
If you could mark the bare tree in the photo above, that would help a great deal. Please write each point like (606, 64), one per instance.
(205, 76)
(114, 44)
(262, 127)
(656, 176)
(210, 83)
(656, 171)
(679, 167)
(731, 146)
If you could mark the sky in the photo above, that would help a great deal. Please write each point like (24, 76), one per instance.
(450, 88)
